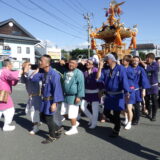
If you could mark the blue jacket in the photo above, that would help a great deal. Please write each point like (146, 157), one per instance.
(116, 81)
(141, 82)
(51, 87)
(152, 73)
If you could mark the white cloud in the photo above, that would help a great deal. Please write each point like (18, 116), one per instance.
(51, 44)
(80, 46)
(48, 43)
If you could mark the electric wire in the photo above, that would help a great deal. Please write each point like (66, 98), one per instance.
(40, 21)
(64, 14)
(74, 27)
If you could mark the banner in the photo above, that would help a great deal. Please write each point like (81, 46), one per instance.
(54, 55)
(6, 52)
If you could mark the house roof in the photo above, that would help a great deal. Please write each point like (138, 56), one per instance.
(6, 36)
(10, 37)
(146, 46)
(39, 45)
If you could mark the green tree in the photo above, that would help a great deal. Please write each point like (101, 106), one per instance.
(142, 55)
(67, 56)
(80, 52)
(63, 51)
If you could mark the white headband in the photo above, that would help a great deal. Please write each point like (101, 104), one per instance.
(110, 56)
(93, 59)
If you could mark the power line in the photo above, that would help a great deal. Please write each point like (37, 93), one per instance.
(40, 21)
(73, 3)
(68, 4)
(19, 1)
(64, 14)
(74, 27)
(81, 5)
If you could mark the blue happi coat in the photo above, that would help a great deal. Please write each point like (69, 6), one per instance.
(33, 90)
(115, 82)
(152, 73)
(92, 84)
(131, 76)
(51, 87)
(141, 82)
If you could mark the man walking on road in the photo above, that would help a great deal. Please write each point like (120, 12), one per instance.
(51, 95)
(73, 86)
(117, 90)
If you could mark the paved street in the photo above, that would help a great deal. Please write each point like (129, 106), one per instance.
(140, 143)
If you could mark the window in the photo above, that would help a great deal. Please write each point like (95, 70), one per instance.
(19, 50)
(27, 50)
(6, 48)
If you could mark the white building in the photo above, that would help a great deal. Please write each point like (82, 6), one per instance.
(149, 48)
(54, 52)
(16, 42)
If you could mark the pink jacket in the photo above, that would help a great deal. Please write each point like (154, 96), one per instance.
(7, 80)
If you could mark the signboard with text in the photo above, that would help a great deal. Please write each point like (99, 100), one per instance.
(6, 52)
(54, 55)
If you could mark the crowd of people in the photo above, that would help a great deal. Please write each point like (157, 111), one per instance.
(108, 89)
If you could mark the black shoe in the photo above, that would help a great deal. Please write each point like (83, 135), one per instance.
(114, 134)
(59, 132)
(135, 123)
(48, 140)
(153, 119)
(149, 116)
(58, 135)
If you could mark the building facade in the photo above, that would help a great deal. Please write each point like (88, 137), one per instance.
(149, 48)
(54, 52)
(16, 42)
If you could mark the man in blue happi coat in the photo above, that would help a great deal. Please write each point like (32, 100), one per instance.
(141, 84)
(117, 89)
(51, 95)
(131, 76)
(152, 68)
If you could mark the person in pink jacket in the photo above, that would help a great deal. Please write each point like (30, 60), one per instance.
(8, 78)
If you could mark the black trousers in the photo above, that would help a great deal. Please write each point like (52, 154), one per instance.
(152, 104)
(136, 112)
(115, 118)
(52, 127)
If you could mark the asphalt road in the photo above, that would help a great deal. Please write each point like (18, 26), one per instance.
(140, 143)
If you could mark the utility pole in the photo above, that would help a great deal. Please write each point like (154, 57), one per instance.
(88, 18)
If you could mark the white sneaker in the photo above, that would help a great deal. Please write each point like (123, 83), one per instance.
(125, 122)
(93, 126)
(8, 128)
(128, 126)
(77, 124)
(35, 130)
(72, 131)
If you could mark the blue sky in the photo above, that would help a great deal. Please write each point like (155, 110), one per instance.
(145, 13)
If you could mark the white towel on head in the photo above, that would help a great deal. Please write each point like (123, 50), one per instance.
(110, 56)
